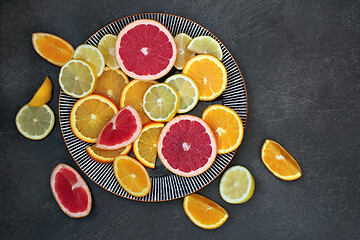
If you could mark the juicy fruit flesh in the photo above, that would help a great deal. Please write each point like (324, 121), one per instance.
(73, 198)
(234, 179)
(35, 120)
(76, 78)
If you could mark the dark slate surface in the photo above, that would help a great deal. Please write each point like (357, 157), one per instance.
(300, 61)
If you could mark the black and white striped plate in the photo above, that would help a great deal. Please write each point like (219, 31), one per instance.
(165, 185)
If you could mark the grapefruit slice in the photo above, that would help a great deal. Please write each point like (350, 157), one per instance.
(70, 191)
(145, 50)
(187, 146)
(121, 130)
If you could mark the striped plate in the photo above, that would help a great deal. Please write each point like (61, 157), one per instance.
(165, 185)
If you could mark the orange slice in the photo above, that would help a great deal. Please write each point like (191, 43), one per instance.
(145, 146)
(204, 212)
(43, 94)
(279, 161)
(90, 114)
(111, 83)
(52, 48)
(106, 156)
(132, 176)
(133, 94)
(226, 125)
(209, 74)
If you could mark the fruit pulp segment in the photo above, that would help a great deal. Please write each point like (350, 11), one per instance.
(280, 161)
(80, 73)
(186, 146)
(148, 141)
(235, 184)
(160, 102)
(145, 50)
(107, 153)
(131, 176)
(53, 48)
(35, 120)
(72, 197)
(110, 84)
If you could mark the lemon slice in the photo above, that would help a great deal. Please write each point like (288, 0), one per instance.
(206, 45)
(183, 54)
(92, 55)
(188, 90)
(107, 48)
(237, 185)
(43, 94)
(161, 102)
(77, 78)
(35, 122)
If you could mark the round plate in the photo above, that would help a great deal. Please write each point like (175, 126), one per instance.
(165, 185)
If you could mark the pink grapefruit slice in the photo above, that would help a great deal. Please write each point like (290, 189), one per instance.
(121, 130)
(70, 191)
(187, 146)
(145, 50)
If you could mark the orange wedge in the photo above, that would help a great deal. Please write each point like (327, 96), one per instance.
(43, 94)
(52, 48)
(204, 212)
(226, 125)
(279, 161)
(132, 176)
(106, 156)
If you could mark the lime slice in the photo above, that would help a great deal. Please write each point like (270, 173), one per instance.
(77, 78)
(183, 54)
(205, 45)
(107, 48)
(35, 122)
(161, 102)
(237, 185)
(188, 90)
(92, 55)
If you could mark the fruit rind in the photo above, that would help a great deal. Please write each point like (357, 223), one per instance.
(43, 94)
(101, 159)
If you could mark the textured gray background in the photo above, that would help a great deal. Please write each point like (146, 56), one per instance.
(300, 61)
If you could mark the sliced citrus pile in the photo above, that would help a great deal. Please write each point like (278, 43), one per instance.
(209, 74)
(92, 55)
(35, 122)
(52, 48)
(111, 83)
(237, 185)
(90, 114)
(107, 47)
(205, 45)
(132, 176)
(183, 54)
(188, 90)
(106, 156)
(279, 161)
(133, 94)
(145, 146)
(226, 125)
(161, 102)
(77, 78)
(204, 212)
(43, 94)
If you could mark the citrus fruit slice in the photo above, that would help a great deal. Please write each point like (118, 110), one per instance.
(107, 48)
(161, 102)
(111, 83)
(121, 130)
(106, 156)
(205, 45)
(90, 114)
(209, 74)
(279, 161)
(237, 185)
(183, 54)
(52, 48)
(189, 92)
(204, 212)
(92, 55)
(187, 146)
(70, 191)
(132, 176)
(43, 94)
(133, 95)
(77, 78)
(226, 125)
(145, 146)
(35, 122)
(145, 50)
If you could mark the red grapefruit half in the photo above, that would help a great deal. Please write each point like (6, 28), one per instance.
(187, 146)
(145, 50)
(70, 191)
(121, 130)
